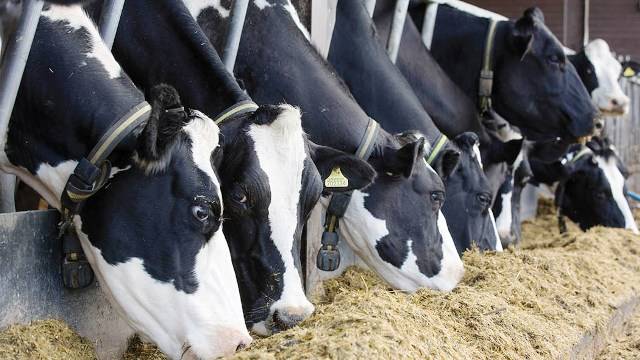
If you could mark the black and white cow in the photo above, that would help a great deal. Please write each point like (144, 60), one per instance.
(271, 175)
(591, 190)
(599, 71)
(452, 110)
(555, 105)
(393, 225)
(381, 90)
(153, 234)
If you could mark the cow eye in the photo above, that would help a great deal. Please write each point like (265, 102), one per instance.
(239, 197)
(201, 213)
(484, 199)
(601, 195)
(437, 199)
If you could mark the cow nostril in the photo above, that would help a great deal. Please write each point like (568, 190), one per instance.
(282, 320)
(241, 346)
(614, 102)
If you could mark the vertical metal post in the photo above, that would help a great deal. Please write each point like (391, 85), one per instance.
(238, 13)
(16, 54)
(109, 19)
(370, 5)
(395, 36)
(585, 25)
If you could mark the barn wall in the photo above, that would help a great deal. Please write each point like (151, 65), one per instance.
(618, 22)
(625, 132)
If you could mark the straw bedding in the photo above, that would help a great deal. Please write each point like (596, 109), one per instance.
(534, 302)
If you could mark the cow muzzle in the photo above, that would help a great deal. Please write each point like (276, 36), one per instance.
(225, 342)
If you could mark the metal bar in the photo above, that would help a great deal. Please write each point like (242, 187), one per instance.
(370, 5)
(109, 19)
(395, 36)
(15, 60)
(238, 13)
(585, 25)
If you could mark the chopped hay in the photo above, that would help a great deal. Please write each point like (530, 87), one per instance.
(533, 302)
(139, 350)
(626, 346)
(47, 339)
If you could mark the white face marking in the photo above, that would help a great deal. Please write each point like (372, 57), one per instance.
(209, 320)
(280, 149)
(476, 152)
(608, 71)
(495, 230)
(362, 231)
(205, 138)
(197, 6)
(616, 181)
(77, 19)
(294, 16)
(504, 220)
(262, 4)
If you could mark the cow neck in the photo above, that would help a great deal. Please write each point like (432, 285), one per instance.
(374, 80)
(189, 61)
(330, 114)
(460, 50)
(451, 110)
(74, 111)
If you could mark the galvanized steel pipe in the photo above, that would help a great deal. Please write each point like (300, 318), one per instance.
(109, 19)
(238, 13)
(15, 60)
(395, 36)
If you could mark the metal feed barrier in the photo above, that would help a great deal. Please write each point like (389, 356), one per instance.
(30, 254)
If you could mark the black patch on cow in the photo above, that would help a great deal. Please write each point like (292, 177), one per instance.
(585, 70)
(166, 239)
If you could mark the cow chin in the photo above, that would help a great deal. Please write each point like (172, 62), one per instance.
(204, 324)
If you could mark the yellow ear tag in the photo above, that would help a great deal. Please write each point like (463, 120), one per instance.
(336, 179)
(628, 72)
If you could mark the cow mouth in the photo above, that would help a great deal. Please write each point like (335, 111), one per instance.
(614, 111)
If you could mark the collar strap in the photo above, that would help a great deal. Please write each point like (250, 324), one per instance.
(585, 150)
(328, 258)
(435, 150)
(238, 108)
(485, 85)
(91, 173)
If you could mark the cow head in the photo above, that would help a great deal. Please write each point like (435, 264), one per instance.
(506, 205)
(153, 234)
(273, 176)
(594, 191)
(396, 225)
(468, 205)
(600, 72)
(556, 103)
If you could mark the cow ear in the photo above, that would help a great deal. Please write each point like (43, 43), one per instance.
(402, 161)
(340, 171)
(534, 12)
(165, 122)
(446, 163)
(522, 35)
